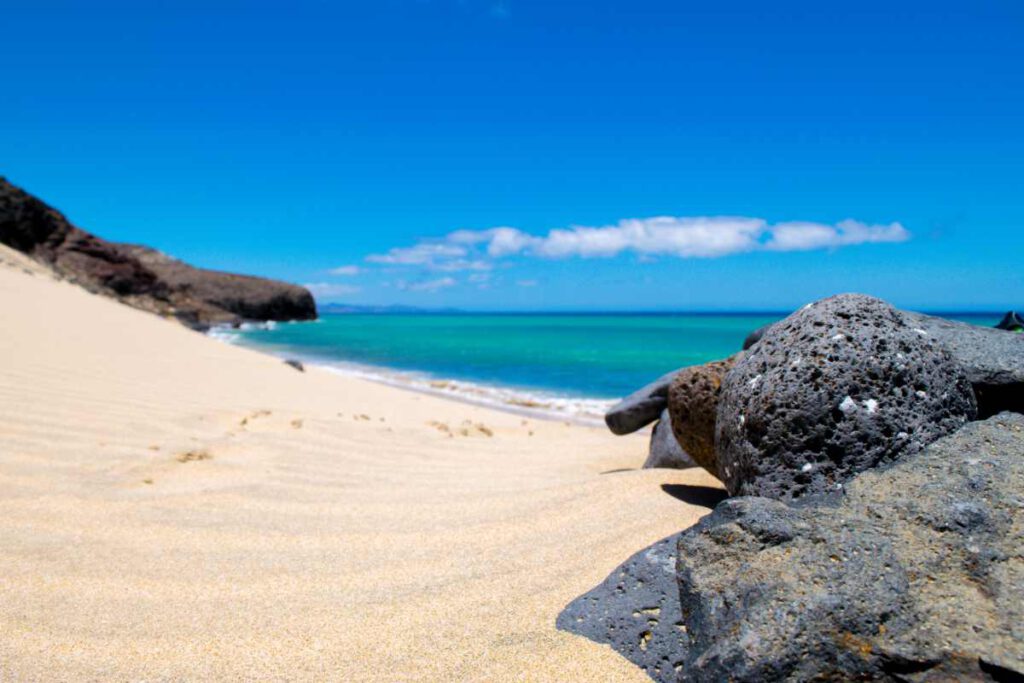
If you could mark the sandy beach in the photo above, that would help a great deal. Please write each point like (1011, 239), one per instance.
(176, 508)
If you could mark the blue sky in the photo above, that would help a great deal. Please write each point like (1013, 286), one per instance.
(787, 150)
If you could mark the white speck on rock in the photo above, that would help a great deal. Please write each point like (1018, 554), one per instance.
(807, 467)
(903, 435)
(808, 306)
(921, 394)
(848, 405)
(743, 420)
(871, 405)
(921, 332)
(753, 382)
(797, 362)
(838, 337)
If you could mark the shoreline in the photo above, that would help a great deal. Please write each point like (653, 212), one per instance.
(532, 403)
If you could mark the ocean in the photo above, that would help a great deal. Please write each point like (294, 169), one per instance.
(559, 365)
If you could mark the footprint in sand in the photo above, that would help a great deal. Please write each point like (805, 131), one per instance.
(467, 428)
(441, 427)
(193, 456)
(257, 414)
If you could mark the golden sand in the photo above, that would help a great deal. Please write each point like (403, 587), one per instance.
(175, 508)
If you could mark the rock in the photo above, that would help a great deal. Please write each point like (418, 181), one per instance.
(1011, 322)
(297, 364)
(640, 408)
(755, 336)
(635, 611)
(693, 405)
(992, 359)
(665, 451)
(842, 385)
(916, 573)
(244, 296)
(140, 276)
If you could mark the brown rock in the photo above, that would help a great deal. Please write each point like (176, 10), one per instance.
(140, 276)
(693, 406)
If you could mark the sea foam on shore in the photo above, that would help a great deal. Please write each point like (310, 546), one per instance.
(534, 403)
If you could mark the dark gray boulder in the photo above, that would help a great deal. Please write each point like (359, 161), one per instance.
(640, 408)
(992, 359)
(841, 385)
(635, 611)
(297, 364)
(664, 450)
(755, 336)
(1011, 322)
(916, 573)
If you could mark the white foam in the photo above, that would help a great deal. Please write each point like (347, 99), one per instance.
(535, 403)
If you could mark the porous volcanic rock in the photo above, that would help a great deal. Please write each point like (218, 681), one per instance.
(142, 277)
(635, 611)
(665, 450)
(992, 359)
(915, 574)
(693, 405)
(841, 385)
(640, 408)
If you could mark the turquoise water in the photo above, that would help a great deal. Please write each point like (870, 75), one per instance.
(581, 356)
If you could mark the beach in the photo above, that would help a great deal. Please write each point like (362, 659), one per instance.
(175, 508)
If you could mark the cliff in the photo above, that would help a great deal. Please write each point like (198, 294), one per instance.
(140, 276)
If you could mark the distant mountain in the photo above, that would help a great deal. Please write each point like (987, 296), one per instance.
(140, 276)
(383, 310)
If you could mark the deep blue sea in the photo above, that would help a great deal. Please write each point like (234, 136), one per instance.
(566, 363)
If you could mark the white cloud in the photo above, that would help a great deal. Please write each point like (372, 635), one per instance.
(427, 285)
(461, 264)
(526, 283)
(647, 238)
(805, 236)
(424, 253)
(346, 271)
(682, 237)
(322, 290)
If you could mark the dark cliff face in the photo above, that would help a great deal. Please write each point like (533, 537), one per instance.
(140, 276)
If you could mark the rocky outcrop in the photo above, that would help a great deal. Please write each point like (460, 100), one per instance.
(140, 276)
(635, 611)
(916, 573)
(1012, 322)
(664, 450)
(243, 296)
(992, 359)
(840, 386)
(640, 408)
(693, 406)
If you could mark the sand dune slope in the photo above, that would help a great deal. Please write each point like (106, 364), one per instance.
(175, 508)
